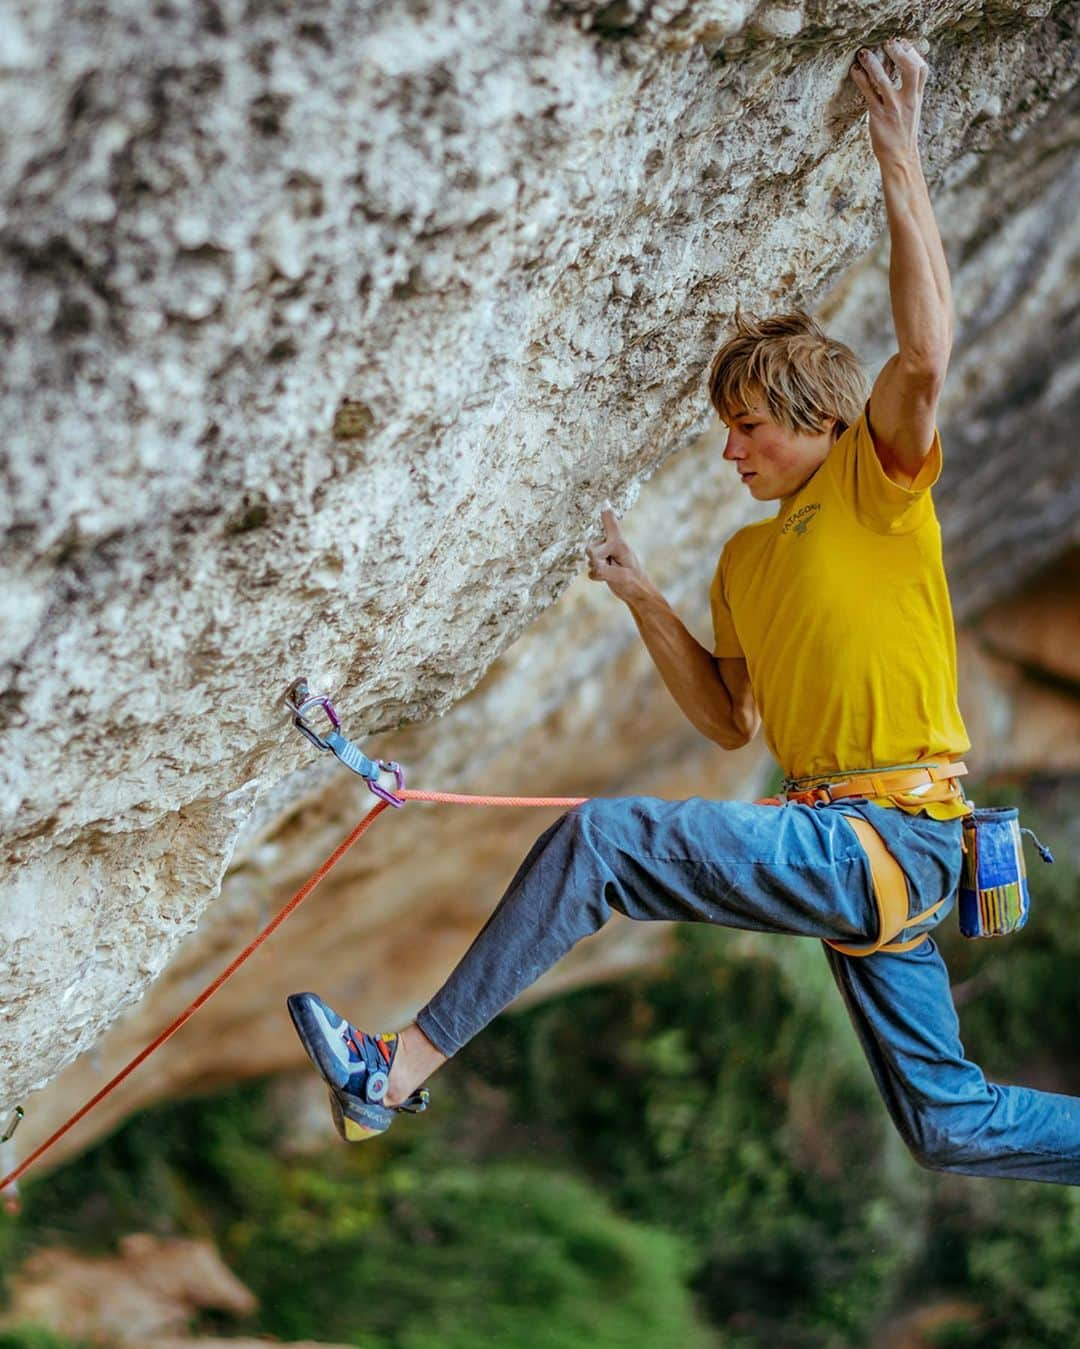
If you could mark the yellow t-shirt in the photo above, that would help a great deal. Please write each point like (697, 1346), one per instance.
(840, 607)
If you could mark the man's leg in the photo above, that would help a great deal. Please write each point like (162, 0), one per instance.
(951, 1118)
(794, 870)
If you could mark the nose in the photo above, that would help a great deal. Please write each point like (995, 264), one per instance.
(733, 447)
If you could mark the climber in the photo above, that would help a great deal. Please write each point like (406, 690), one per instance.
(832, 630)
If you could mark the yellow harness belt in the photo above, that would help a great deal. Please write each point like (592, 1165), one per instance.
(906, 786)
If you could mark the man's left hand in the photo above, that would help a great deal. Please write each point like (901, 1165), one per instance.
(894, 109)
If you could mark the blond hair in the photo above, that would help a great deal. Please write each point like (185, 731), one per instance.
(802, 375)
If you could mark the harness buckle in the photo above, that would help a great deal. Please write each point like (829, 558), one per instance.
(811, 796)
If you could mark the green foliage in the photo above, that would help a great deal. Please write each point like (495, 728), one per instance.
(33, 1337)
(385, 1245)
(1029, 1255)
(506, 1255)
(173, 1169)
(714, 1107)
(1014, 1250)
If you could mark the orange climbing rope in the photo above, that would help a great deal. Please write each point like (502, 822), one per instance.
(457, 799)
(450, 798)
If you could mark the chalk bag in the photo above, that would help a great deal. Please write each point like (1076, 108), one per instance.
(994, 895)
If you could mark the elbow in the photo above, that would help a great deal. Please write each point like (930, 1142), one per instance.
(925, 360)
(723, 733)
(737, 734)
(923, 366)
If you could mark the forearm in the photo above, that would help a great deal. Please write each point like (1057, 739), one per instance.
(918, 272)
(688, 669)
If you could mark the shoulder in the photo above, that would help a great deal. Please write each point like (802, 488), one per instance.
(747, 539)
(740, 558)
(881, 501)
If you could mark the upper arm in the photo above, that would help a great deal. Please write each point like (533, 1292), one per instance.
(735, 677)
(903, 412)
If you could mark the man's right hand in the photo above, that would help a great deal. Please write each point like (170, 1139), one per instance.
(697, 681)
(613, 561)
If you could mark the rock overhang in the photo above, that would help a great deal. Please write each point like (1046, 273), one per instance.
(327, 341)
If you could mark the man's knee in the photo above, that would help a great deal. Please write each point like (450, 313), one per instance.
(595, 819)
(590, 833)
(939, 1141)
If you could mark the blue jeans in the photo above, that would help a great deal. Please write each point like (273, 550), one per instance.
(798, 870)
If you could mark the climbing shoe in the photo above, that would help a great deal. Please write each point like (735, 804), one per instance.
(355, 1066)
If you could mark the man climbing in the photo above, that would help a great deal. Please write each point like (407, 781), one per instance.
(833, 630)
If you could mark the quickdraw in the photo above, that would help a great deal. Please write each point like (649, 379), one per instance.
(301, 702)
(11, 1202)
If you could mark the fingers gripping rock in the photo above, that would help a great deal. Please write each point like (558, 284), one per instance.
(612, 560)
(893, 95)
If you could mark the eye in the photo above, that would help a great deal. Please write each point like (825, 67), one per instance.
(747, 426)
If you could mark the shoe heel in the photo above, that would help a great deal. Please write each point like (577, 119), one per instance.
(348, 1129)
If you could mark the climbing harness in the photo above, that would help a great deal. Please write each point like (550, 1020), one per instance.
(904, 784)
(924, 783)
(994, 899)
(890, 895)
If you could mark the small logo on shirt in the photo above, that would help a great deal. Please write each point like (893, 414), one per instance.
(800, 521)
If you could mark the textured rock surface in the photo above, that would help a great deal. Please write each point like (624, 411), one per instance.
(1021, 663)
(151, 1289)
(1039, 626)
(145, 1295)
(510, 238)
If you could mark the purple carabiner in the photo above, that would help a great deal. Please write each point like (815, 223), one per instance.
(300, 700)
(388, 766)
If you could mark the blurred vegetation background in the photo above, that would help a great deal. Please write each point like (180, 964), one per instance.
(695, 1156)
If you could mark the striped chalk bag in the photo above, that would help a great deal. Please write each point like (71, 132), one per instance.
(994, 897)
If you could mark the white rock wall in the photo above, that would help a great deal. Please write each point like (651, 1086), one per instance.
(510, 235)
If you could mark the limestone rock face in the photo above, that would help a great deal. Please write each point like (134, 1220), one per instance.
(328, 334)
(1038, 627)
(150, 1290)
(144, 1295)
(1021, 661)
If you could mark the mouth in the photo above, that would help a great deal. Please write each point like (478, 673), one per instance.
(747, 476)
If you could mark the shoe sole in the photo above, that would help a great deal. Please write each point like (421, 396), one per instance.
(356, 1121)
